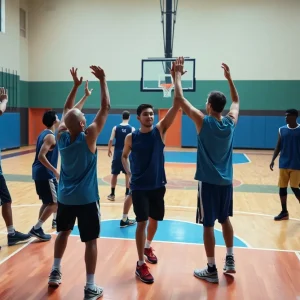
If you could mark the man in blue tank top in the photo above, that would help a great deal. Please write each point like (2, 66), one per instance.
(288, 145)
(78, 195)
(214, 168)
(45, 174)
(118, 134)
(13, 236)
(148, 180)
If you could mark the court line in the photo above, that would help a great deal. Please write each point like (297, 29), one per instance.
(249, 160)
(298, 254)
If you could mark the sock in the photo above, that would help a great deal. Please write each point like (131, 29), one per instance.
(230, 251)
(124, 218)
(10, 229)
(39, 224)
(127, 191)
(113, 191)
(147, 244)
(283, 205)
(211, 261)
(56, 264)
(141, 262)
(90, 281)
(54, 216)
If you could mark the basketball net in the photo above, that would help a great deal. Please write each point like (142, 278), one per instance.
(167, 89)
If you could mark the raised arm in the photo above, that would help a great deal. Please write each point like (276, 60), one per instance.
(126, 152)
(110, 142)
(95, 128)
(235, 106)
(3, 100)
(87, 93)
(276, 152)
(195, 114)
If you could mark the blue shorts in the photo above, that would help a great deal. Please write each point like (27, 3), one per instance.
(117, 166)
(215, 202)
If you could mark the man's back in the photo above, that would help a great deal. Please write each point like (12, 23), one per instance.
(120, 134)
(289, 148)
(214, 156)
(78, 184)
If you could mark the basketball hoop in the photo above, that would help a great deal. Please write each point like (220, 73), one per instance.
(167, 89)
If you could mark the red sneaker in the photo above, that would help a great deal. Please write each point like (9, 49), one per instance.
(148, 252)
(142, 272)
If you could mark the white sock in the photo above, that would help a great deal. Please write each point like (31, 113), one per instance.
(39, 224)
(90, 281)
(54, 216)
(211, 261)
(230, 251)
(10, 229)
(124, 218)
(141, 262)
(56, 264)
(147, 244)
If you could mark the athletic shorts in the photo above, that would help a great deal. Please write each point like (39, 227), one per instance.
(287, 176)
(149, 203)
(117, 166)
(47, 190)
(4, 192)
(88, 217)
(215, 202)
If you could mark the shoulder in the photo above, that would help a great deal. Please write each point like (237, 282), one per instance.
(49, 138)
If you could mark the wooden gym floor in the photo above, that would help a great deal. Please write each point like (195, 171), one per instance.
(267, 252)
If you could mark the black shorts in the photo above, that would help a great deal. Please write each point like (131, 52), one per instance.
(47, 190)
(117, 167)
(88, 217)
(149, 204)
(4, 192)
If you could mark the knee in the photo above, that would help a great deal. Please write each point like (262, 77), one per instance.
(141, 225)
(64, 234)
(282, 192)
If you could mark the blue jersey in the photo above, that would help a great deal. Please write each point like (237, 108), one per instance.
(120, 134)
(147, 161)
(78, 183)
(289, 148)
(214, 153)
(39, 171)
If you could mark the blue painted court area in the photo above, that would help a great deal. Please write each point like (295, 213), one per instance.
(191, 157)
(168, 231)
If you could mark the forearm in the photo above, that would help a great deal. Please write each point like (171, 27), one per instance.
(233, 92)
(3, 105)
(276, 153)
(46, 163)
(110, 145)
(81, 103)
(105, 98)
(126, 165)
(178, 93)
(71, 98)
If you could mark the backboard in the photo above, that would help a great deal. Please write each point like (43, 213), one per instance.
(155, 73)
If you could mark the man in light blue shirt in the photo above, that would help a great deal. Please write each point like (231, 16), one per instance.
(214, 167)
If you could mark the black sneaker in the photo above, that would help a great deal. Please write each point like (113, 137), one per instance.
(209, 274)
(93, 294)
(229, 267)
(284, 215)
(54, 278)
(17, 237)
(127, 223)
(53, 224)
(39, 233)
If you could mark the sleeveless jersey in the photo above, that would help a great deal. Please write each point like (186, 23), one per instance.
(120, 134)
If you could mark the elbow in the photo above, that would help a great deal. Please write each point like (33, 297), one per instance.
(41, 157)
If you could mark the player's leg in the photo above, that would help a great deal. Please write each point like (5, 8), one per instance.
(284, 177)
(125, 221)
(294, 183)
(226, 211)
(140, 203)
(13, 236)
(126, 183)
(116, 167)
(89, 219)
(47, 191)
(66, 217)
(208, 205)
(156, 213)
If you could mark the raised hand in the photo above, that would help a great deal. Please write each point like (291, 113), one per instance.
(77, 82)
(178, 65)
(87, 92)
(226, 71)
(3, 94)
(98, 72)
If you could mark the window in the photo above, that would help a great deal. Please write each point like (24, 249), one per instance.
(22, 22)
(2, 15)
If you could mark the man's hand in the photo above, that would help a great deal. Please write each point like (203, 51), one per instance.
(77, 82)
(178, 65)
(3, 94)
(87, 92)
(98, 72)
(109, 153)
(226, 71)
(272, 165)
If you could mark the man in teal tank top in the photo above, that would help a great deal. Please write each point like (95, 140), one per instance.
(214, 168)
(78, 195)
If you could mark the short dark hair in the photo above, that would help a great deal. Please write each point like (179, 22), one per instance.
(125, 115)
(292, 112)
(49, 118)
(217, 101)
(143, 107)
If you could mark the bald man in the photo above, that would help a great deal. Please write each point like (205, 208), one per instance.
(78, 195)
